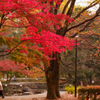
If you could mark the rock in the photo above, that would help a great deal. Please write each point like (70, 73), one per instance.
(27, 93)
(27, 89)
(15, 94)
(37, 91)
(32, 86)
(42, 86)
(17, 91)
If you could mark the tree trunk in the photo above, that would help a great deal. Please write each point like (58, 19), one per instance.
(52, 78)
(90, 80)
(50, 85)
(57, 75)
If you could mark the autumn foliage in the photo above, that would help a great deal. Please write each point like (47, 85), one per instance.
(40, 23)
(10, 66)
(44, 31)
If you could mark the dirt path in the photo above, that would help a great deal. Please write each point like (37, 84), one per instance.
(65, 96)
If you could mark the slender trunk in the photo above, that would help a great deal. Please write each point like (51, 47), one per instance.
(90, 80)
(52, 78)
(7, 77)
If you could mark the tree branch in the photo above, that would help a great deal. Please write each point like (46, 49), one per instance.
(52, 4)
(70, 10)
(2, 21)
(57, 8)
(82, 23)
(11, 49)
(17, 26)
(90, 21)
(66, 6)
(62, 31)
(89, 6)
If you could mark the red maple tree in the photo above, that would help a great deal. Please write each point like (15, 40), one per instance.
(40, 23)
(43, 22)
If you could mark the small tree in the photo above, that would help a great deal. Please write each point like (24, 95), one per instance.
(9, 68)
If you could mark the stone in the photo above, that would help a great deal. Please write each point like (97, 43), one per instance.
(27, 93)
(27, 89)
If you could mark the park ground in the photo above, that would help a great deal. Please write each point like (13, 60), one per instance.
(64, 96)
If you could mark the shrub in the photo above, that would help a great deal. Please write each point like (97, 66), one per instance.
(71, 89)
(89, 92)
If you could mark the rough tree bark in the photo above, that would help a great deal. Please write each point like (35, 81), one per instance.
(52, 78)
